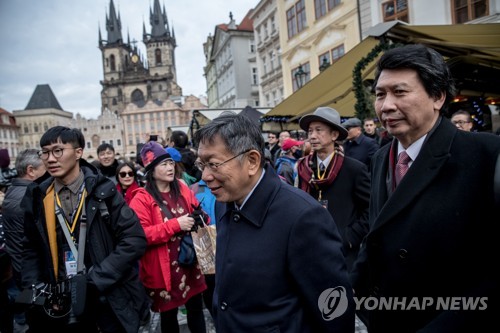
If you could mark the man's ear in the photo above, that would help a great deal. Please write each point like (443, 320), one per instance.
(254, 158)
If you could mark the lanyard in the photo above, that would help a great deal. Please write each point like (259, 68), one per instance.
(76, 212)
(321, 176)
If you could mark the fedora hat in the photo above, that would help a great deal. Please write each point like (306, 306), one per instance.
(325, 115)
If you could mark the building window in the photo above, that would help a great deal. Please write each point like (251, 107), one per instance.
(252, 46)
(338, 53)
(296, 18)
(255, 78)
(395, 10)
(319, 8)
(264, 65)
(158, 56)
(304, 78)
(468, 10)
(118, 142)
(291, 22)
(323, 56)
(333, 3)
(301, 15)
(112, 61)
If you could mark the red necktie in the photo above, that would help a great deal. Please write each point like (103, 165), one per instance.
(401, 166)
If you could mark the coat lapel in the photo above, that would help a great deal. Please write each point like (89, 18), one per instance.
(428, 165)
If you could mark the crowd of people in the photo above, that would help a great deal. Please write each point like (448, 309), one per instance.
(308, 228)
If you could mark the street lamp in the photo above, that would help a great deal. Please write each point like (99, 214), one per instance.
(300, 77)
(324, 64)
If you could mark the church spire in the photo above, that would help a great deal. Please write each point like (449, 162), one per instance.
(158, 21)
(113, 25)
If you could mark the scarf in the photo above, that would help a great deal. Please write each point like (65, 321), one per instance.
(50, 220)
(307, 166)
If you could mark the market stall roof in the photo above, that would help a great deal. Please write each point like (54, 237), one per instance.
(476, 45)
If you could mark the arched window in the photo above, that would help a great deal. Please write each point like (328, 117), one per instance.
(114, 101)
(138, 97)
(158, 56)
(26, 130)
(36, 128)
(45, 127)
(112, 61)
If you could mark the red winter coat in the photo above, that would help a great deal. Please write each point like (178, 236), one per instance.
(155, 264)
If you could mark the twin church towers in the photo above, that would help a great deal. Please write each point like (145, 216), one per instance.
(131, 77)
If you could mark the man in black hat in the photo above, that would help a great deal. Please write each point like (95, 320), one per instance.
(340, 183)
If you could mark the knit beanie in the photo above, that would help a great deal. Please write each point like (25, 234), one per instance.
(152, 153)
(4, 158)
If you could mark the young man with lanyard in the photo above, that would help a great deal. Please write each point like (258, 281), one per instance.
(340, 183)
(75, 204)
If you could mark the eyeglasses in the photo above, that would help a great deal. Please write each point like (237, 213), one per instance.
(57, 152)
(214, 166)
(126, 174)
(460, 122)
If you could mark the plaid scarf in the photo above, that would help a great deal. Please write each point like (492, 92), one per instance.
(307, 166)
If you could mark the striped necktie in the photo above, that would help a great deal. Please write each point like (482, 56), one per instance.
(402, 166)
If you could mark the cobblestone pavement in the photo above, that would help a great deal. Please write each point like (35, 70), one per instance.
(154, 325)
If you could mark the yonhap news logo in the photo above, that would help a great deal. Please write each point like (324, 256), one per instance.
(421, 303)
(333, 303)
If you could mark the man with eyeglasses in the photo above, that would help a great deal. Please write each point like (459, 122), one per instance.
(279, 263)
(77, 223)
(462, 120)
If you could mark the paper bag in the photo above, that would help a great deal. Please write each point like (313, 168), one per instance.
(204, 241)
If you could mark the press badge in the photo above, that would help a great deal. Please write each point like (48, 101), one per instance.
(70, 262)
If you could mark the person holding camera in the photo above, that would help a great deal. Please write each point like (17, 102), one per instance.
(81, 247)
(166, 208)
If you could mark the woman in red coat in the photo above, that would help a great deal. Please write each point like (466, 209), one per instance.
(169, 284)
(127, 182)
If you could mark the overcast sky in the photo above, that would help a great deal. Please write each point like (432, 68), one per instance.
(55, 42)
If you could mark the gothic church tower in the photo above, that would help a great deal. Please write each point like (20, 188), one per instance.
(128, 76)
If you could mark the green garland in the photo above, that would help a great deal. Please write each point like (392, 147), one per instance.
(364, 103)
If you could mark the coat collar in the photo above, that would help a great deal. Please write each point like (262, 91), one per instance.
(255, 209)
(430, 161)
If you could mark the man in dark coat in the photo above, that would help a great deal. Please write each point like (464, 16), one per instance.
(279, 263)
(431, 250)
(77, 192)
(357, 145)
(340, 183)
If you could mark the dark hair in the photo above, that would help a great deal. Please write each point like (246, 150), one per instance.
(124, 164)
(238, 132)
(104, 146)
(63, 134)
(430, 66)
(180, 139)
(462, 112)
(155, 192)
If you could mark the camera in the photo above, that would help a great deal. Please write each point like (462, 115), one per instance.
(153, 138)
(54, 298)
(198, 216)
